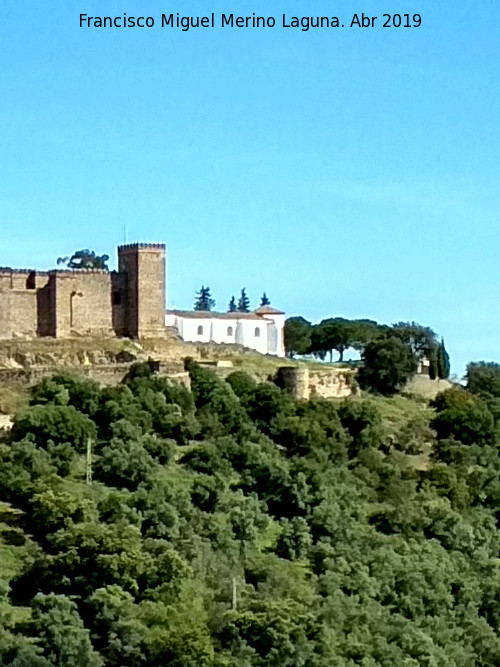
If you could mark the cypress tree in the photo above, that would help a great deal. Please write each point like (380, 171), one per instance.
(232, 305)
(433, 364)
(443, 361)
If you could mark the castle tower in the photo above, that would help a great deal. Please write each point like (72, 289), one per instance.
(144, 267)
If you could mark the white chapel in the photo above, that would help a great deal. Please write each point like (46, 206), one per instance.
(260, 330)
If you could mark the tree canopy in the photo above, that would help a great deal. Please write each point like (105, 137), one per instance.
(297, 334)
(85, 259)
(231, 525)
(388, 363)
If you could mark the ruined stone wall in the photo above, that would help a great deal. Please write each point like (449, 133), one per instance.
(5, 281)
(22, 279)
(18, 313)
(331, 383)
(82, 303)
(109, 374)
(19, 302)
(23, 313)
(305, 383)
(5, 320)
(295, 381)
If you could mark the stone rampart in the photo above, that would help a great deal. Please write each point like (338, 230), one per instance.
(107, 374)
(305, 383)
(83, 303)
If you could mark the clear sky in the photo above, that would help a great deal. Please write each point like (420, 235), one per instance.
(347, 172)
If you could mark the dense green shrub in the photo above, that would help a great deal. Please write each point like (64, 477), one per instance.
(237, 526)
(56, 423)
(388, 363)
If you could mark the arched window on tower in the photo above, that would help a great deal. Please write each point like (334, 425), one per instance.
(257, 332)
(230, 331)
(200, 330)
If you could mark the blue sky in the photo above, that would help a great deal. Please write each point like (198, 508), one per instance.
(346, 172)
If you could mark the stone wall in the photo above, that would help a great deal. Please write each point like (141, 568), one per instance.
(305, 383)
(331, 383)
(23, 312)
(88, 302)
(107, 374)
(5, 319)
(82, 303)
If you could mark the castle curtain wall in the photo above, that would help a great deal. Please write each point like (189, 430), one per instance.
(82, 303)
(23, 312)
(5, 321)
(18, 303)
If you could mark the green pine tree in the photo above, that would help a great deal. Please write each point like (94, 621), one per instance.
(243, 302)
(204, 299)
(265, 300)
(232, 305)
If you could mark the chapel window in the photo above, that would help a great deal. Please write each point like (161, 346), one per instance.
(257, 332)
(200, 330)
(230, 331)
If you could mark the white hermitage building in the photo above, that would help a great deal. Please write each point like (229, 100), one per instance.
(260, 330)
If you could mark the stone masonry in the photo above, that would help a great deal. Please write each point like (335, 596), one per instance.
(128, 302)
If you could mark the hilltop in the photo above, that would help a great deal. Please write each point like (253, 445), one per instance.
(228, 524)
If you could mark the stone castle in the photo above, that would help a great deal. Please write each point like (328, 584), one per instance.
(129, 302)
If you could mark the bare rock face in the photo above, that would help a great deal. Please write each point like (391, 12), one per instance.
(70, 353)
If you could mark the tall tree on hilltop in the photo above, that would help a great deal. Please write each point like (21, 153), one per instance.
(332, 334)
(243, 302)
(422, 340)
(297, 334)
(85, 259)
(232, 305)
(204, 299)
(388, 363)
(443, 361)
(483, 378)
(265, 300)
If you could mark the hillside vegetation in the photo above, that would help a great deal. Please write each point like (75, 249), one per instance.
(147, 525)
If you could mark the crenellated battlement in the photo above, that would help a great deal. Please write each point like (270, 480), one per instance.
(7, 270)
(77, 272)
(141, 246)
